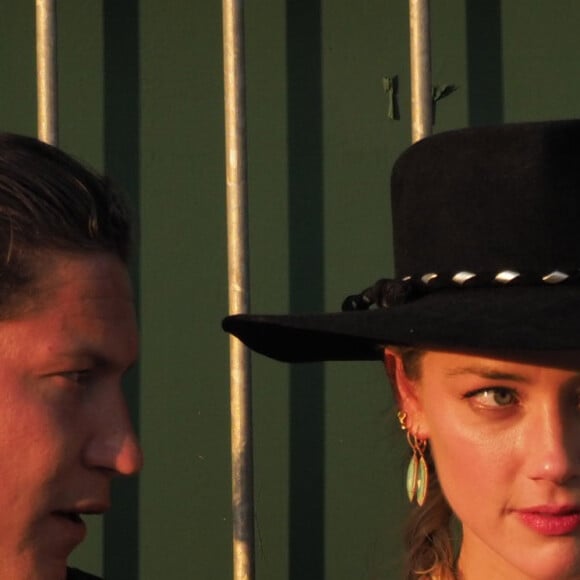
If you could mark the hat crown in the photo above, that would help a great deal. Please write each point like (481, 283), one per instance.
(488, 200)
(487, 249)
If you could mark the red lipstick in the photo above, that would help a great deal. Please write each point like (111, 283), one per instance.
(551, 520)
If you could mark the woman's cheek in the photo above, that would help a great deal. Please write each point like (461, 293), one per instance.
(471, 464)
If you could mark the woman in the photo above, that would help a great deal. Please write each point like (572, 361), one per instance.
(480, 335)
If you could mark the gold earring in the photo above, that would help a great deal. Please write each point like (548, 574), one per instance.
(417, 472)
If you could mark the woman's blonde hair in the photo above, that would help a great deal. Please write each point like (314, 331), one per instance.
(428, 538)
(429, 553)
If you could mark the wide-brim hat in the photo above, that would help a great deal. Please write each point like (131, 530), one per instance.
(486, 236)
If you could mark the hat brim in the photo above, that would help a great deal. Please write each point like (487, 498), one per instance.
(523, 318)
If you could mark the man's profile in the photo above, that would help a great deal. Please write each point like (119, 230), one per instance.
(67, 336)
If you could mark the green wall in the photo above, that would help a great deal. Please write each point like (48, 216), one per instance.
(141, 97)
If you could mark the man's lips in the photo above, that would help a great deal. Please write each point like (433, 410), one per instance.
(69, 528)
(75, 514)
(551, 520)
(69, 515)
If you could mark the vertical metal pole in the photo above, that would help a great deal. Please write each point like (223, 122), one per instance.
(421, 95)
(240, 384)
(47, 82)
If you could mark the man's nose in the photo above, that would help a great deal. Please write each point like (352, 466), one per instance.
(113, 444)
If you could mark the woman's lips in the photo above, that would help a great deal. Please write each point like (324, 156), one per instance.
(551, 520)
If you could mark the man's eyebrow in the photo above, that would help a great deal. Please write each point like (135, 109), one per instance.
(97, 359)
(487, 373)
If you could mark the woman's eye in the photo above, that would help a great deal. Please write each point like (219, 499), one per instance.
(494, 397)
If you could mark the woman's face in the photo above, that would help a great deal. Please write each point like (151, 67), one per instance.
(505, 438)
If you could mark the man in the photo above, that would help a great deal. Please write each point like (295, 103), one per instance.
(67, 336)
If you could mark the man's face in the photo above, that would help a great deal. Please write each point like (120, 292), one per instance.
(64, 427)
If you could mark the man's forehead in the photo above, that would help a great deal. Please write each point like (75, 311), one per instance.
(79, 295)
(80, 314)
(79, 280)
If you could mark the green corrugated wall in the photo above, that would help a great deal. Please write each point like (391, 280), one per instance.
(141, 97)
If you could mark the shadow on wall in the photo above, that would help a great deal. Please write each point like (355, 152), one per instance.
(484, 62)
(121, 98)
(306, 227)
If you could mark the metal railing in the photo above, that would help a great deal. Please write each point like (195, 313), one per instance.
(46, 67)
(421, 88)
(236, 190)
(237, 217)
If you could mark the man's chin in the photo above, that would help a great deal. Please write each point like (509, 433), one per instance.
(34, 569)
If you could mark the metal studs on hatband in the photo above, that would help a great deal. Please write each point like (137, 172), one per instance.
(506, 276)
(462, 277)
(426, 278)
(555, 277)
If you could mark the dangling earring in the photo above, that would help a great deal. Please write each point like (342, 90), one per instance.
(417, 472)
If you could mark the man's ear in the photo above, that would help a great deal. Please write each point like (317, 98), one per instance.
(406, 392)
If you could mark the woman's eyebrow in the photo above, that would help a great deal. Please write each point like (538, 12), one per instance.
(487, 373)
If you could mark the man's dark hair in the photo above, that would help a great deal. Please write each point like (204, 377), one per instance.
(51, 202)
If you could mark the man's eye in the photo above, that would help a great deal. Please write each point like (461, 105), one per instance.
(494, 397)
(79, 377)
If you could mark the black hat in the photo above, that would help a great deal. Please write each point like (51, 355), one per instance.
(487, 254)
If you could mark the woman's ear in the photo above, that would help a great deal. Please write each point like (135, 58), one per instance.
(406, 392)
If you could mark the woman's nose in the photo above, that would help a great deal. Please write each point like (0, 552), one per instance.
(552, 441)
